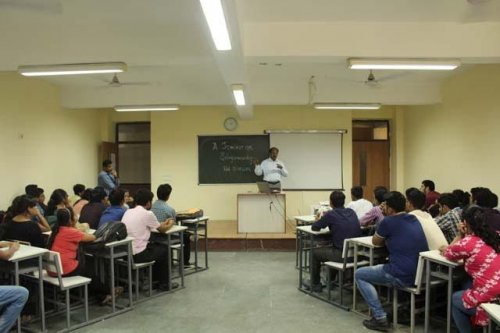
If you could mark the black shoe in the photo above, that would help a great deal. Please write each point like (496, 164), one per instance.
(317, 288)
(377, 324)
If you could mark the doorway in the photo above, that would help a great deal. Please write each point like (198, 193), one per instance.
(370, 155)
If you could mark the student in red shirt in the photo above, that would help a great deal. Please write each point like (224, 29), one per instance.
(65, 239)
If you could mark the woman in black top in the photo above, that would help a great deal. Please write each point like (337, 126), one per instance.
(20, 225)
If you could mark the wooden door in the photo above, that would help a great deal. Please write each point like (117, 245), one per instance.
(370, 165)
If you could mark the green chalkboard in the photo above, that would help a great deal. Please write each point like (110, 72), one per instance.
(228, 159)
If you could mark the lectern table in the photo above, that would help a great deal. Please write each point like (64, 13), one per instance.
(261, 212)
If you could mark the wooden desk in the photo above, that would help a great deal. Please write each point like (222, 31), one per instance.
(195, 225)
(176, 229)
(304, 232)
(24, 253)
(261, 212)
(493, 311)
(435, 257)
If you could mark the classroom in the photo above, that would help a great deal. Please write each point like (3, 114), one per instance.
(442, 125)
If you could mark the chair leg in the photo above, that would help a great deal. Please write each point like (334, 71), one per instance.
(86, 299)
(328, 283)
(136, 285)
(341, 286)
(68, 309)
(150, 280)
(412, 313)
(394, 307)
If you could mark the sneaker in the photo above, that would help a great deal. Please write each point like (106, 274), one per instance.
(377, 324)
(317, 288)
(188, 265)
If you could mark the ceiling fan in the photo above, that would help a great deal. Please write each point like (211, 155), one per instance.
(116, 83)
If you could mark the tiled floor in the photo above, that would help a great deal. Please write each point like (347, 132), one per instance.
(241, 292)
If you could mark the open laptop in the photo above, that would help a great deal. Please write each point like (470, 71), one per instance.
(264, 187)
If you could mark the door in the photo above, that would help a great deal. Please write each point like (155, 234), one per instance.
(370, 165)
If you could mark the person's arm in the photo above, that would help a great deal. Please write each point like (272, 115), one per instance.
(258, 168)
(369, 217)
(106, 181)
(378, 240)
(117, 179)
(383, 231)
(87, 238)
(166, 225)
(13, 247)
(282, 169)
(42, 222)
(320, 224)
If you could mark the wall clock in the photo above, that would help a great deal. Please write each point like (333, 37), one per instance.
(230, 124)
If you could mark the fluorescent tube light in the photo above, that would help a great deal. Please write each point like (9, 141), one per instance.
(214, 14)
(405, 64)
(72, 69)
(346, 106)
(238, 93)
(157, 107)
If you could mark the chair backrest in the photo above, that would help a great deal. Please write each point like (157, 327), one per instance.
(419, 275)
(51, 262)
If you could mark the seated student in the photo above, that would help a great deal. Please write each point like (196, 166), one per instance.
(129, 200)
(404, 238)
(415, 202)
(140, 221)
(58, 200)
(65, 239)
(486, 199)
(19, 222)
(85, 199)
(358, 204)
(12, 298)
(163, 211)
(464, 198)
(91, 212)
(479, 247)
(429, 189)
(39, 197)
(449, 215)
(30, 190)
(375, 215)
(115, 211)
(77, 193)
(343, 223)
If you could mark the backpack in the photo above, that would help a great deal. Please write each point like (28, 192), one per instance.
(191, 213)
(110, 232)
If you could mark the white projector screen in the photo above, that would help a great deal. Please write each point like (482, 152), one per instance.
(313, 160)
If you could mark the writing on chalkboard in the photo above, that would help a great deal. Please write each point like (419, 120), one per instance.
(229, 159)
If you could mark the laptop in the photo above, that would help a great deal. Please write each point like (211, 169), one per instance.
(264, 187)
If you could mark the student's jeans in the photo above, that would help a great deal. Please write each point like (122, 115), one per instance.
(12, 300)
(460, 314)
(366, 278)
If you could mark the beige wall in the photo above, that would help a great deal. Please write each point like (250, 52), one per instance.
(42, 143)
(175, 157)
(456, 143)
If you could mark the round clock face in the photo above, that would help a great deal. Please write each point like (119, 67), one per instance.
(230, 124)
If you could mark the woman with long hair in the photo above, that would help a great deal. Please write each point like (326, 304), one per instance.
(65, 239)
(479, 247)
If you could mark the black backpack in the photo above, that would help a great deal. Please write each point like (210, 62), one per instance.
(110, 232)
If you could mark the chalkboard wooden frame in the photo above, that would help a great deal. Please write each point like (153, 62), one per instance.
(227, 159)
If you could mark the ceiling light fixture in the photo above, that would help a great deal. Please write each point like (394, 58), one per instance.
(156, 107)
(239, 94)
(404, 64)
(214, 14)
(347, 106)
(72, 69)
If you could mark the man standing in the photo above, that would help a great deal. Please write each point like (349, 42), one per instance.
(272, 169)
(140, 221)
(163, 211)
(108, 178)
(343, 223)
(404, 238)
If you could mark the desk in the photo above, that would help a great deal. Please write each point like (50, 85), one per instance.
(364, 242)
(493, 311)
(176, 229)
(26, 252)
(300, 221)
(261, 212)
(48, 233)
(195, 225)
(435, 256)
(304, 232)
